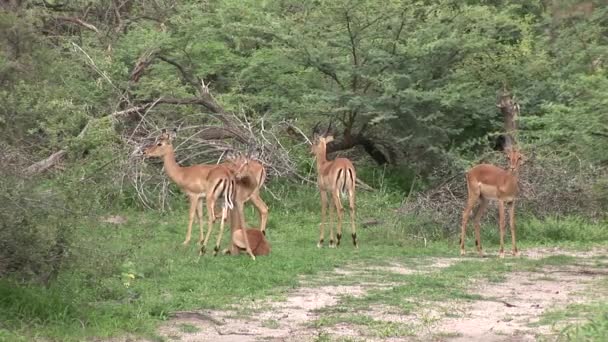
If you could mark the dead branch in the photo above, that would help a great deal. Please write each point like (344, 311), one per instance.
(142, 64)
(46, 163)
(79, 22)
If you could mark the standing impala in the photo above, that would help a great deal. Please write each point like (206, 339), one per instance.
(334, 177)
(488, 182)
(198, 181)
(250, 176)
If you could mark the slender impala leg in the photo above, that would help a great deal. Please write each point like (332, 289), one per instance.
(322, 224)
(465, 218)
(477, 224)
(199, 214)
(262, 210)
(351, 203)
(330, 223)
(501, 226)
(340, 213)
(219, 236)
(239, 207)
(512, 225)
(193, 200)
(210, 218)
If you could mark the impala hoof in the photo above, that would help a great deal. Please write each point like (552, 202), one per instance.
(501, 255)
(203, 250)
(515, 253)
(462, 252)
(186, 242)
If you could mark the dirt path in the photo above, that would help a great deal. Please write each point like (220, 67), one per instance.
(511, 307)
(289, 320)
(506, 311)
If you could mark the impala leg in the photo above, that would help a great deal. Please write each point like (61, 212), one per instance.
(465, 218)
(219, 237)
(239, 209)
(340, 214)
(322, 224)
(193, 200)
(351, 202)
(477, 224)
(512, 225)
(262, 210)
(501, 226)
(210, 219)
(199, 214)
(330, 210)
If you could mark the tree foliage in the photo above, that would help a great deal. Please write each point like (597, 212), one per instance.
(407, 82)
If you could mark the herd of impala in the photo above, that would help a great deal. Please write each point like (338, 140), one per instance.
(240, 178)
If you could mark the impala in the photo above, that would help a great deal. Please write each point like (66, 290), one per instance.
(334, 177)
(488, 182)
(250, 177)
(256, 238)
(257, 241)
(198, 182)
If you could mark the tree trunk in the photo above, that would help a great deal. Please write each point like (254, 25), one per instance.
(510, 111)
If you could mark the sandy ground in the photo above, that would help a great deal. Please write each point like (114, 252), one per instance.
(506, 312)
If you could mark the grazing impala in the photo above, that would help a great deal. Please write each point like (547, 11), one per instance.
(198, 181)
(250, 176)
(488, 182)
(334, 177)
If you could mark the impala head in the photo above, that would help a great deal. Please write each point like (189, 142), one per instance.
(240, 162)
(515, 159)
(162, 145)
(320, 140)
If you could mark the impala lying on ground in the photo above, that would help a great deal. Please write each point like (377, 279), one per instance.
(257, 240)
(488, 182)
(198, 181)
(334, 177)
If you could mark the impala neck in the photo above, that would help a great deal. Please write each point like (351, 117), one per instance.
(172, 169)
(321, 156)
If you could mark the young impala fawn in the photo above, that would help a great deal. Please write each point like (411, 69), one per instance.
(333, 177)
(257, 240)
(198, 182)
(488, 182)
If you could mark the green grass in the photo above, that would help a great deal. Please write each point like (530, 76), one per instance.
(127, 279)
(371, 326)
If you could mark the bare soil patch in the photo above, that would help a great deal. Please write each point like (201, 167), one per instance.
(509, 311)
(289, 320)
(543, 252)
(511, 308)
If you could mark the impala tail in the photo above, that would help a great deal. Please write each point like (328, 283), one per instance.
(229, 193)
(344, 177)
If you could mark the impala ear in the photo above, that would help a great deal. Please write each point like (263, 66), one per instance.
(173, 134)
(329, 138)
(163, 135)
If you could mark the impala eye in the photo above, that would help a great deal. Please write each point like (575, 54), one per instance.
(159, 144)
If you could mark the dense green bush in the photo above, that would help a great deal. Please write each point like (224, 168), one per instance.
(35, 231)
